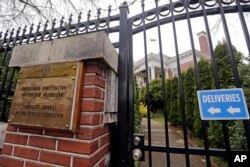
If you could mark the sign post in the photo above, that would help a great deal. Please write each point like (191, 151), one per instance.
(222, 104)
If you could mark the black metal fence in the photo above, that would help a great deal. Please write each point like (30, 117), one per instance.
(25, 35)
(154, 19)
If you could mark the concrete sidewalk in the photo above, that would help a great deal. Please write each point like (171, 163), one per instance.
(158, 138)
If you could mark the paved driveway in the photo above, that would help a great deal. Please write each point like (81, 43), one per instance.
(158, 138)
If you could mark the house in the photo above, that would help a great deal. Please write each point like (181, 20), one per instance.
(170, 64)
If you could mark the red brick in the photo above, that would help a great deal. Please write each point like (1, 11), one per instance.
(99, 155)
(42, 142)
(10, 162)
(103, 95)
(92, 92)
(33, 131)
(7, 149)
(33, 164)
(91, 133)
(85, 162)
(93, 68)
(94, 80)
(104, 140)
(87, 119)
(57, 133)
(25, 152)
(77, 147)
(17, 139)
(101, 163)
(12, 128)
(82, 162)
(55, 158)
(92, 106)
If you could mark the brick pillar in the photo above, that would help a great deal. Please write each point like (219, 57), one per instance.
(90, 146)
(204, 47)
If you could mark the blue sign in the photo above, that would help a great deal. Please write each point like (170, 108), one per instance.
(222, 104)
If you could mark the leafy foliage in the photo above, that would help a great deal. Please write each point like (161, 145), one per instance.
(189, 89)
(174, 114)
(137, 116)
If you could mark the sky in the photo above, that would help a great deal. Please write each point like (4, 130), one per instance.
(152, 35)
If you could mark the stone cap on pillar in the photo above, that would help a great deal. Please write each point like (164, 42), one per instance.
(74, 48)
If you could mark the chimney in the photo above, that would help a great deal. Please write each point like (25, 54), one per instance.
(204, 47)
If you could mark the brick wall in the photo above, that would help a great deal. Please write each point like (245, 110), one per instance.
(26, 147)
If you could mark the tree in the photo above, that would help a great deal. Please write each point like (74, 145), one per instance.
(189, 89)
(236, 130)
(174, 114)
(156, 95)
(206, 83)
(14, 13)
(224, 67)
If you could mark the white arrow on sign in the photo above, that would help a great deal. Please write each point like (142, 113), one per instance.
(233, 110)
(213, 110)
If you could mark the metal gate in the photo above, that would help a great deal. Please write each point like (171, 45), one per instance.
(166, 22)
(165, 15)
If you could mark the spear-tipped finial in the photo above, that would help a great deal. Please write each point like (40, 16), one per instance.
(70, 18)
(79, 17)
(38, 27)
(18, 31)
(31, 28)
(89, 14)
(99, 11)
(12, 31)
(24, 29)
(142, 3)
(53, 22)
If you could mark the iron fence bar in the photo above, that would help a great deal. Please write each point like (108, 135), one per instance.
(234, 67)
(4, 39)
(191, 151)
(147, 84)
(243, 24)
(37, 31)
(196, 70)
(246, 35)
(44, 30)
(3, 63)
(165, 112)
(123, 152)
(78, 22)
(2, 47)
(108, 19)
(28, 36)
(52, 30)
(216, 77)
(130, 93)
(71, 29)
(5, 103)
(5, 99)
(68, 25)
(180, 85)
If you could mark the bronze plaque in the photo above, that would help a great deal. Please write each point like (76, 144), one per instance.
(49, 102)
